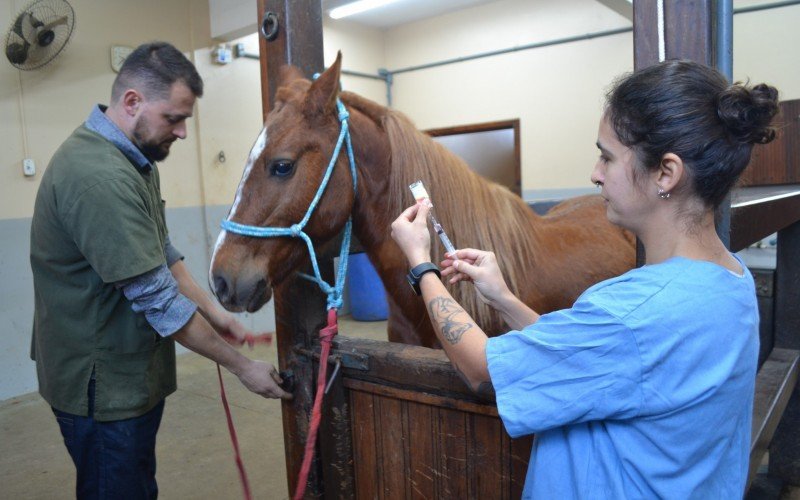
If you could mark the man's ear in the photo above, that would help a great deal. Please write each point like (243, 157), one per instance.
(670, 171)
(131, 101)
(321, 97)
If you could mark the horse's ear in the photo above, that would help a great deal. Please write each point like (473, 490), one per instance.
(321, 97)
(287, 74)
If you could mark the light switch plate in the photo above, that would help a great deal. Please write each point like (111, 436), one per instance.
(28, 167)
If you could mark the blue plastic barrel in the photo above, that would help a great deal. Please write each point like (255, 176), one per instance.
(367, 295)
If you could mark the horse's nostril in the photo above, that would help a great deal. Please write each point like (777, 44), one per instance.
(261, 287)
(221, 288)
(256, 297)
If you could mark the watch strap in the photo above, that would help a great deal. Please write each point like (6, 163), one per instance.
(417, 272)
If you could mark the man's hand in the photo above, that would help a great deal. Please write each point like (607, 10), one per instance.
(235, 333)
(410, 232)
(262, 378)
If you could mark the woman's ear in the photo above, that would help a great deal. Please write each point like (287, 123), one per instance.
(669, 173)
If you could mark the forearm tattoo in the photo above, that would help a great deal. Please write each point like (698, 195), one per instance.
(443, 311)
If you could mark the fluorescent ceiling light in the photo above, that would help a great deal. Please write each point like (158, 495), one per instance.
(358, 7)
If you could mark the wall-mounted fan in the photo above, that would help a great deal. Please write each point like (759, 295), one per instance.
(39, 33)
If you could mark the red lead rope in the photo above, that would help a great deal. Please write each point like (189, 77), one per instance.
(250, 340)
(325, 337)
(232, 430)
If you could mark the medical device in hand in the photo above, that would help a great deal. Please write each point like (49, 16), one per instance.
(421, 195)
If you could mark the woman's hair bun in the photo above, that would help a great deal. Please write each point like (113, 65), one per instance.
(747, 112)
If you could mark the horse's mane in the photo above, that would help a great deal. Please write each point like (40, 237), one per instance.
(475, 212)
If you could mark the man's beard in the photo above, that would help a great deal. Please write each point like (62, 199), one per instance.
(154, 151)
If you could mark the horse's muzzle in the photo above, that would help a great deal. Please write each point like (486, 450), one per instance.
(240, 293)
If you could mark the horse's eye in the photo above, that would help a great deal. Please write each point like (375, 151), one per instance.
(281, 168)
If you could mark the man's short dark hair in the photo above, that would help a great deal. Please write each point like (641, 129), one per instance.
(152, 69)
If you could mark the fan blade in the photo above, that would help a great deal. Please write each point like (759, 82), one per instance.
(57, 22)
(25, 26)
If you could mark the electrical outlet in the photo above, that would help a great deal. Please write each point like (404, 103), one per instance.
(28, 167)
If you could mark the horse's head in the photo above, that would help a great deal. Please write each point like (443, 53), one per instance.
(283, 172)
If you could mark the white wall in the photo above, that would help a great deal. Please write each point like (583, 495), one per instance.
(556, 92)
(765, 48)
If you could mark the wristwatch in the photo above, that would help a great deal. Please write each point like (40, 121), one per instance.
(416, 273)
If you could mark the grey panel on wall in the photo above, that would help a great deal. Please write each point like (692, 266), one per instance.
(17, 371)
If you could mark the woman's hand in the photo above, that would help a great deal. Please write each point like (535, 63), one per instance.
(410, 232)
(479, 267)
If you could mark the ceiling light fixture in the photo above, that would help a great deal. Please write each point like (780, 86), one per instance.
(358, 7)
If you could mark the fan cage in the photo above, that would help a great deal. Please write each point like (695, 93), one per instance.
(39, 33)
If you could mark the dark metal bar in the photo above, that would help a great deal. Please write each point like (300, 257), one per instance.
(724, 36)
(723, 61)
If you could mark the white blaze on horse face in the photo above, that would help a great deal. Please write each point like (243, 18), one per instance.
(255, 154)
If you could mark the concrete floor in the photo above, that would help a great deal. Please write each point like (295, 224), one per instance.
(195, 457)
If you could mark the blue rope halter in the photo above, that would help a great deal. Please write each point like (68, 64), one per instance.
(296, 230)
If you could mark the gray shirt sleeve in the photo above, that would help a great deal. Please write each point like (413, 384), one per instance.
(156, 294)
(172, 253)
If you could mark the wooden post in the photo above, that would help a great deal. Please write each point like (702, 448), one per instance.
(300, 307)
(298, 41)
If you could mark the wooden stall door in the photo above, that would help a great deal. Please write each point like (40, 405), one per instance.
(400, 424)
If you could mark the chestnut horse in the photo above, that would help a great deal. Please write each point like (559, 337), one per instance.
(547, 260)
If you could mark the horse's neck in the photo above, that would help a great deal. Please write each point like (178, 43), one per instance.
(373, 163)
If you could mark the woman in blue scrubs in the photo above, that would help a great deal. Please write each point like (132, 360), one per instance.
(644, 388)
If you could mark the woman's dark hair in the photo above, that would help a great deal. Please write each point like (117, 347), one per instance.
(152, 69)
(688, 109)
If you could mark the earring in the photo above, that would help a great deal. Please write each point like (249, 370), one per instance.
(662, 194)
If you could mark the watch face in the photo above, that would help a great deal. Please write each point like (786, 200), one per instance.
(118, 55)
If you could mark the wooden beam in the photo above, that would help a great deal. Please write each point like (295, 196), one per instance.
(758, 212)
(645, 33)
(298, 42)
(688, 30)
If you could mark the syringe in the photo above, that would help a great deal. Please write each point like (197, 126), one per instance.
(421, 195)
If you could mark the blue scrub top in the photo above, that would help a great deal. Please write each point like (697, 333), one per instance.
(643, 389)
